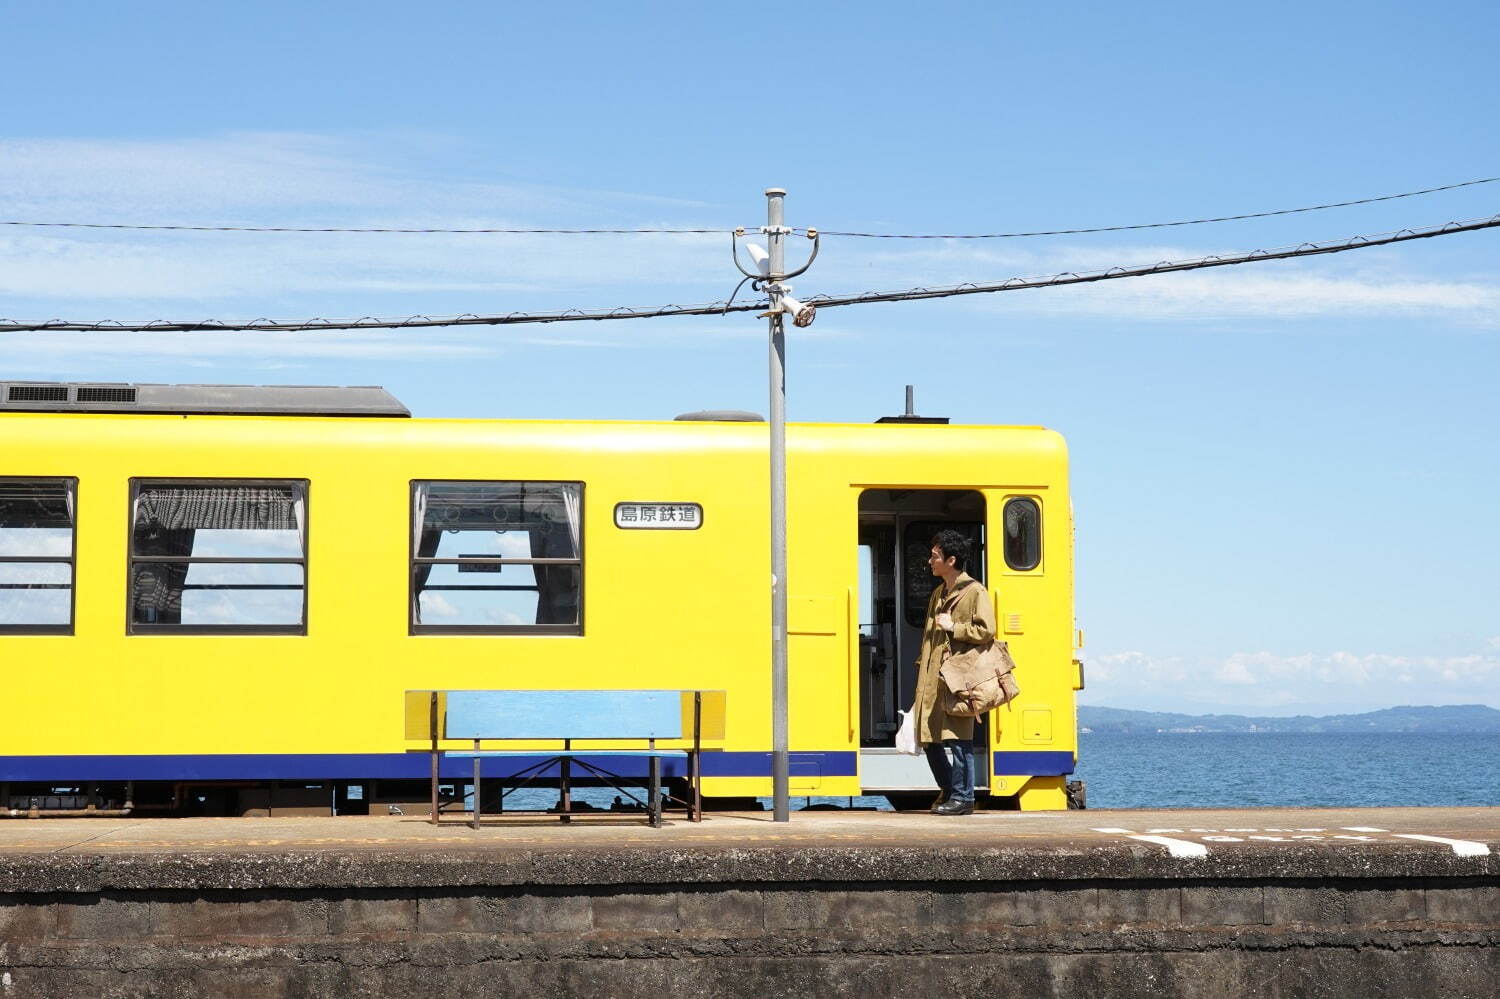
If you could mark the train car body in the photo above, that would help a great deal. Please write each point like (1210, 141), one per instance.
(243, 596)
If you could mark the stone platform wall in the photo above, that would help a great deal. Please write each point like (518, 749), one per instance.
(1211, 937)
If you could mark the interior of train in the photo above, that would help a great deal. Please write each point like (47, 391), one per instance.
(895, 532)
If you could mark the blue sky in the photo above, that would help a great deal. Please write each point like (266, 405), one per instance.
(1284, 473)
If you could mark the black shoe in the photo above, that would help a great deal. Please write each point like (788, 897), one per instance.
(938, 802)
(954, 807)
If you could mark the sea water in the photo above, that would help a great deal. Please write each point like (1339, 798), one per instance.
(1254, 770)
(1241, 770)
(1251, 770)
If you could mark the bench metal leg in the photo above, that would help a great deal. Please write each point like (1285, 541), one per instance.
(653, 804)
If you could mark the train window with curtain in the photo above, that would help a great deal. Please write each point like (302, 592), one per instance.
(1023, 533)
(497, 557)
(218, 556)
(37, 545)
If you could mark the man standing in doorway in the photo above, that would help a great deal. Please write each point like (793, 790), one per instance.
(959, 616)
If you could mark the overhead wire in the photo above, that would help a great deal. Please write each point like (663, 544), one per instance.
(799, 231)
(1154, 225)
(721, 308)
(288, 228)
(1164, 267)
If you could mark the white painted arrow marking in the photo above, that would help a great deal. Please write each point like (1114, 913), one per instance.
(1179, 848)
(1462, 847)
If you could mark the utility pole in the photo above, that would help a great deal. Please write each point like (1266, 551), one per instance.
(769, 275)
(780, 766)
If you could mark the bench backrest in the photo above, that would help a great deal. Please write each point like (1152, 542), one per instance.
(564, 714)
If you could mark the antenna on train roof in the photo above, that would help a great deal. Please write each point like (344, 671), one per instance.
(910, 416)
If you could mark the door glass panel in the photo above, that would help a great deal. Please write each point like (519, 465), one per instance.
(1023, 534)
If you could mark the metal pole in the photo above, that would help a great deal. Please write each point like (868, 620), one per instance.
(780, 769)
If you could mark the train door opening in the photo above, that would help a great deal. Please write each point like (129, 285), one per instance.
(895, 533)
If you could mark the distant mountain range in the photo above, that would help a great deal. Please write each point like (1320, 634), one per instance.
(1448, 718)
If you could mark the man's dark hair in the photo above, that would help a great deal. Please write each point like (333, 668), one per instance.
(953, 545)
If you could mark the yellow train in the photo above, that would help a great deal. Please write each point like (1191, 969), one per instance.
(224, 589)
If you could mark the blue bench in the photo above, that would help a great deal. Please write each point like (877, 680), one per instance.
(569, 716)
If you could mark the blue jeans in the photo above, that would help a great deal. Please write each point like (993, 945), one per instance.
(957, 778)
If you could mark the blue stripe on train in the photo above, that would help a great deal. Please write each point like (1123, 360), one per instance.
(412, 766)
(1034, 763)
(383, 766)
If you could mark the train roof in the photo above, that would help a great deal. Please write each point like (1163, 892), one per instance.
(200, 400)
(373, 401)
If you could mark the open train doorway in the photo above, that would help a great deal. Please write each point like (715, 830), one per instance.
(895, 534)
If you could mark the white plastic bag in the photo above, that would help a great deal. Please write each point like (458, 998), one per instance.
(906, 735)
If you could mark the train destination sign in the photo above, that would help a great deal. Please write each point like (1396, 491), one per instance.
(659, 516)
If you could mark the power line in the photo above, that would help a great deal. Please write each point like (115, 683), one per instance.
(1160, 225)
(682, 232)
(1164, 267)
(721, 308)
(284, 228)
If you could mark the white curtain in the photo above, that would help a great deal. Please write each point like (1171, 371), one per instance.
(572, 503)
(418, 516)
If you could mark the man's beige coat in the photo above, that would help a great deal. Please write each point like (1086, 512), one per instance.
(973, 624)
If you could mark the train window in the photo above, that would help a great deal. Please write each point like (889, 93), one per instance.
(219, 556)
(37, 527)
(1023, 533)
(497, 557)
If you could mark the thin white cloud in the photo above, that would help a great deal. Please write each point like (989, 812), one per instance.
(1379, 284)
(1234, 672)
(434, 605)
(82, 356)
(1251, 681)
(236, 177)
(280, 179)
(1220, 295)
(65, 354)
(34, 543)
(300, 179)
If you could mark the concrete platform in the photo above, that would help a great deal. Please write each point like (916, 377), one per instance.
(95, 854)
(1274, 902)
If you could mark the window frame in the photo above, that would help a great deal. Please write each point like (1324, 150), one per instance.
(414, 560)
(1041, 554)
(132, 628)
(69, 482)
